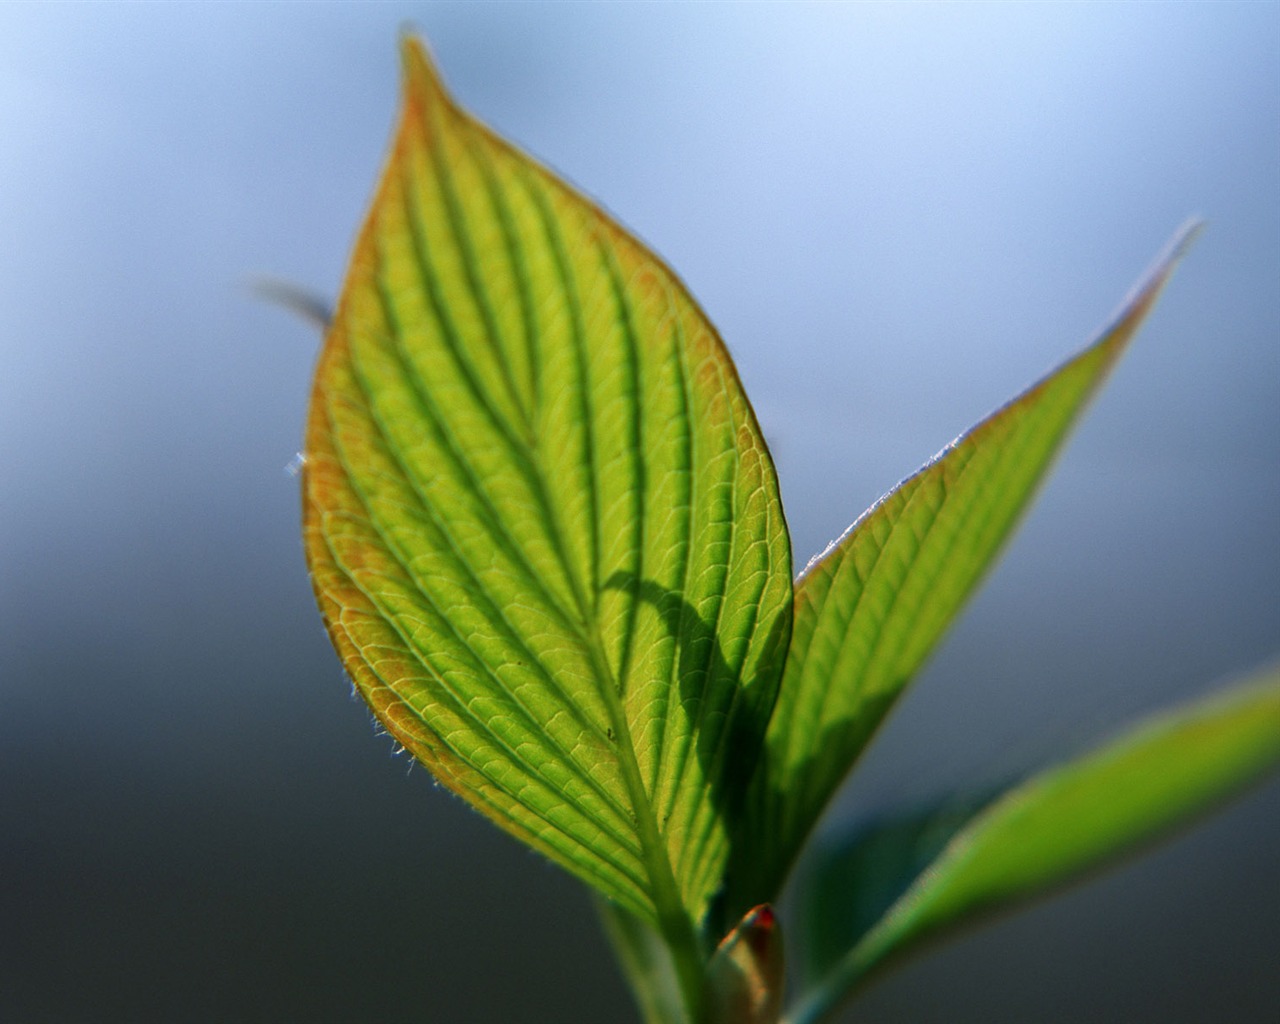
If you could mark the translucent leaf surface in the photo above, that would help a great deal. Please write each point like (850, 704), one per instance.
(542, 524)
(1038, 835)
(872, 607)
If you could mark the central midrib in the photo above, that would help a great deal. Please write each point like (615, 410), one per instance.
(673, 920)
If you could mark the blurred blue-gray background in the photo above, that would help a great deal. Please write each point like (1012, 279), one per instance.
(897, 215)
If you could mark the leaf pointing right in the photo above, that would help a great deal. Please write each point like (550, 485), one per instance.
(874, 605)
(1061, 823)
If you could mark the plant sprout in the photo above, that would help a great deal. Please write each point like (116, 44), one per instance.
(545, 534)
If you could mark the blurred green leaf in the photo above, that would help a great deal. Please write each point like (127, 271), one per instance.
(858, 877)
(870, 609)
(1038, 835)
(542, 524)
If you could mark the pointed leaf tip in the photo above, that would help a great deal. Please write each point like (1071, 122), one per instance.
(415, 58)
(1137, 304)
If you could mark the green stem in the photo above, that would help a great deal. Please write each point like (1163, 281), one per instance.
(646, 962)
(674, 923)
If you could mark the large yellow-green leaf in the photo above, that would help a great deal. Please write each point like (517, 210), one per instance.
(935, 872)
(871, 608)
(542, 524)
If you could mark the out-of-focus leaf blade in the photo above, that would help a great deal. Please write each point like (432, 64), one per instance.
(1063, 822)
(870, 609)
(858, 877)
(542, 523)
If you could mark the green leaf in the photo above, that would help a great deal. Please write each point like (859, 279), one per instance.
(1046, 831)
(870, 609)
(542, 524)
(856, 878)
